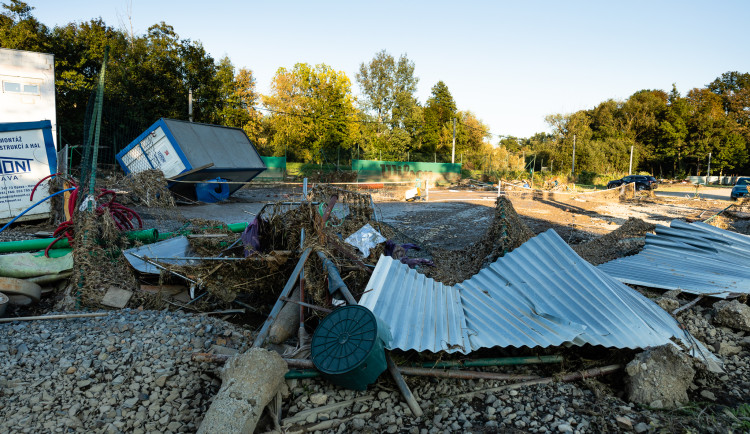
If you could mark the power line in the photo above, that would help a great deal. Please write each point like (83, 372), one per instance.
(361, 121)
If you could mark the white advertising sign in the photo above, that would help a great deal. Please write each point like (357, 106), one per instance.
(23, 162)
(159, 154)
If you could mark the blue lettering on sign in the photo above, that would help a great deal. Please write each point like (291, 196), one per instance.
(10, 165)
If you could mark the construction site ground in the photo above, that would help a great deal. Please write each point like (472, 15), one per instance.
(453, 219)
(76, 376)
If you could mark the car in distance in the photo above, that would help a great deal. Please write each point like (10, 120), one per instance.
(740, 188)
(642, 182)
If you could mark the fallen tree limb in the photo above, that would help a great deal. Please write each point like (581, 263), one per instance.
(302, 415)
(594, 372)
(65, 316)
(463, 375)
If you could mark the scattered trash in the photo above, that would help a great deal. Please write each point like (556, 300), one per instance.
(116, 297)
(26, 265)
(365, 239)
(166, 251)
(20, 291)
(212, 191)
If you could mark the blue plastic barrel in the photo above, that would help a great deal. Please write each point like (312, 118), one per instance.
(211, 192)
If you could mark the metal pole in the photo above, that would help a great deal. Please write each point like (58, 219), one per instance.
(630, 169)
(708, 173)
(573, 167)
(453, 152)
(190, 104)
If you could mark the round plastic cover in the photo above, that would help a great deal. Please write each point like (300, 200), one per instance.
(344, 339)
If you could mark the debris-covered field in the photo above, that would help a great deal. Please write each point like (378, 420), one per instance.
(152, 361)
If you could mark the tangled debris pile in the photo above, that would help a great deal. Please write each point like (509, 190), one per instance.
(506, 232)
(626, 240)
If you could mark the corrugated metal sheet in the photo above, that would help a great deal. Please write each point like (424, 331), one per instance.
(694, 257)
(171, 247)
(541, 294)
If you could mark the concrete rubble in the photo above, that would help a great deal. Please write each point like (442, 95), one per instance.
(660, 377)
(733, 314)
(249, 382)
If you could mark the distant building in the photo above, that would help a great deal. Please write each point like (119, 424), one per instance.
(27, 131)
(27, 87)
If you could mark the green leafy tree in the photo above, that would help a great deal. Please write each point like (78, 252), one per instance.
(439, 111)
(20, 30)
(313, 112)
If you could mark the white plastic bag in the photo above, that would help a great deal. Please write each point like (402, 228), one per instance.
(365, 239)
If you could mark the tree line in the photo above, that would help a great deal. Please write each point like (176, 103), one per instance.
(312, 114)
(671, 135)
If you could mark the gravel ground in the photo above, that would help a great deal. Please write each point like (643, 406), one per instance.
(129, 371)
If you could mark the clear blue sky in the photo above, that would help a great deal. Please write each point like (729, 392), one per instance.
(510, 62)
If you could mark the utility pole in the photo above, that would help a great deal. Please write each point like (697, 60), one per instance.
(708, 173)
(630, 169)
(453, 152)
(573, 169)
(190, 104)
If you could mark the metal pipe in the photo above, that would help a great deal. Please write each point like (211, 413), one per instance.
(307, 305)
(594, 372)
(502, 361)
(65, 316)
(464, 375)
(145, 236)
(308, 373)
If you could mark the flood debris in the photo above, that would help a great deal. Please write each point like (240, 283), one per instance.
(626, 240)
(732, 314)
(696, 258)
(541, 294)
(660, 377)
(537, 290)
(249, 382)
(506, 232)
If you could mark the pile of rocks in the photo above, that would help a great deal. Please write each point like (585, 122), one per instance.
(129, 371)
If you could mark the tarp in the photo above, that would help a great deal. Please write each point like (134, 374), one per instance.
(376, 170)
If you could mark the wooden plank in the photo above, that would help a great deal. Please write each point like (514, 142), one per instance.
(263, 333)
(190, 172)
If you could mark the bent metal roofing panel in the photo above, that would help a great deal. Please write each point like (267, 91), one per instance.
(694, 257)
(539, 295)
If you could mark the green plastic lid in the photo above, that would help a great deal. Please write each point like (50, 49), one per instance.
(344, 339)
